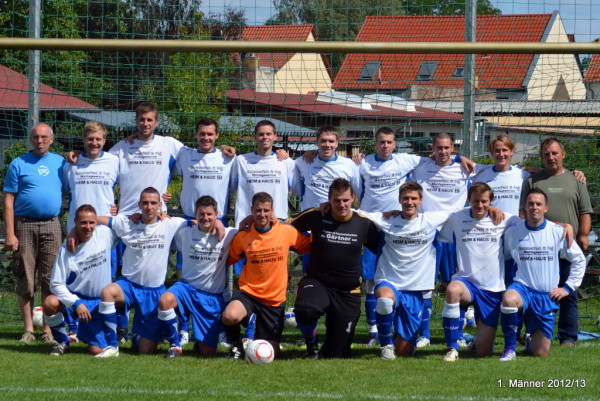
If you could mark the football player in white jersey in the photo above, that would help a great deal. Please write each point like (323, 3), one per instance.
(145, 263)
(536, 245)
(480, 276)
(200, 292)
(77, 281)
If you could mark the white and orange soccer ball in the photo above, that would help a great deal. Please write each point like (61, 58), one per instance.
(260, 352)
(37, 315)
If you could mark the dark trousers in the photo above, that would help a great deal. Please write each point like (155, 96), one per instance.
(568, 318)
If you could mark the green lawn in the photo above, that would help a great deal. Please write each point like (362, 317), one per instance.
(29, 373)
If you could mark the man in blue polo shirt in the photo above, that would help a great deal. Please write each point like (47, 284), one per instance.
(32, 204)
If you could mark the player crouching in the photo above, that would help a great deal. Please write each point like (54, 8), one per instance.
(77, 281)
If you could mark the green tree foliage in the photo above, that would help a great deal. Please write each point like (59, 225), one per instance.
(446, 7)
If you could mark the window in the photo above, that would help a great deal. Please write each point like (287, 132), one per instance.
(427, 70)
(370, 72)
(459, 72)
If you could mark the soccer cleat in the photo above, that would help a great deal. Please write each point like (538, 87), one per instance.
(184, 338)
(312, 349)
(109, 352)
(462, 343)
(60, 349)
(451, 355)
(27, 337)
(73, 338)
(508, 355)
(387, 352)
(47, 338)
(423, 342)
(173, 352)
(122, 335)
(470, 317)
(373, 340)
(236, 353)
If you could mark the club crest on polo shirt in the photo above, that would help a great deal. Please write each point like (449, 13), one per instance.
(43, 171)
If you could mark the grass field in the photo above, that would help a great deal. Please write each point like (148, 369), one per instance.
(28, 372)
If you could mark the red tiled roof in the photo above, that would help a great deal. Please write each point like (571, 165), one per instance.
(277, 33)
(593, 72)
(14, 94)
(400, 70)
(310, 104)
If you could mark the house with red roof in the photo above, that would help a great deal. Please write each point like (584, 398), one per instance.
(592, 78)
(441, 76)
(284, 72)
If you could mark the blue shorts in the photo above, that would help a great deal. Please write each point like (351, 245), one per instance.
(487, 303)
(445, 260)
(510, 270)
(205, 309)
(145, 302)
(539, 311)
(92, 332)
(407, 316)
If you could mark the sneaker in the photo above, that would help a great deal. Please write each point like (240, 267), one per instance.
(462, 343)
(173, 352)
(312, 349)
(236, 353)
(122, 335)
(423, 342)
(224, 340)
(451, 355)
(109, 352)
(73, 338)
(184, 338)
(387, 352)
(245, 342)
(373, 340)
(60, 349)
(27, 337)
(47, 338)
(470, 317)
(508, 355)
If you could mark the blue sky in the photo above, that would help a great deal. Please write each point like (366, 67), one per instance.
(581, 17)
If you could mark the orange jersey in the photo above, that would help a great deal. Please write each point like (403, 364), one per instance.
(265, 274)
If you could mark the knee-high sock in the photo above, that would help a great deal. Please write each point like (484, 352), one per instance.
(461, 320)
(169, 326)
(108, 312)
(309, 331)
(57, 325)
(384, 313)
(450, 321)
(509, 320)
(249, 333)
(426, 315)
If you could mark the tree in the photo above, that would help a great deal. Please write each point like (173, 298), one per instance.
(446, 7)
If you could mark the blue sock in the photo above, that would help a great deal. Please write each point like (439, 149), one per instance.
(370, 304)
(426, 315)
(122, 319)
(184, 323)
(450, 322)
(384, 328)
(249, 333)
(57, 325)
(461, 320)
(108, 313)
(309, 331)
(509, 320)
(169, 326)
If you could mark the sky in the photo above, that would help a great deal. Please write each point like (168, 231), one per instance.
(581, 17)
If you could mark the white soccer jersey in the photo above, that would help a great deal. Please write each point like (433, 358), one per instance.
(204, 174)
(91, 181)
(479, 250)
(506, 185)
(204, 258)
(252, 173)
(87, 271)
(381, 180)
(314, 179)
(444, 188)
(407, 259)
(146, 256)
(144, 164)
(536, 252)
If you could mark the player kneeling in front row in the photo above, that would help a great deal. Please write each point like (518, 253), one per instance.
(204, 274)
(535, 244)
(77, 281)
(264, 278)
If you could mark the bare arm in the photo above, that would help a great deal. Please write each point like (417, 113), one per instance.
(12, 242)
(585, 226)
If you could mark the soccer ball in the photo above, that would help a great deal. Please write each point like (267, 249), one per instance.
(290, 319)
(37, 315)
(260, 352)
